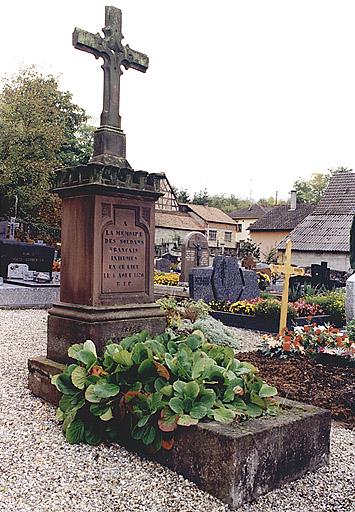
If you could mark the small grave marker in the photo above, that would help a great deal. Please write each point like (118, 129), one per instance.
(288, 270)
(194, 253)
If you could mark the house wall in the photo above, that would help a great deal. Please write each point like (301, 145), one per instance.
(171, 236)
(245, 233)
(220, 238)
(267, 240)
(336, 261)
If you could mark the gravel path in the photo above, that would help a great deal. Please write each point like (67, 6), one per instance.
(40, 472)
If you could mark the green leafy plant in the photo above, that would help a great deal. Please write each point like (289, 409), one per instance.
(143, 389)
(350, 329)
(269, 309)
(332, 303)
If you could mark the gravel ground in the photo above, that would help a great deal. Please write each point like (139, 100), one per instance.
(41, 473)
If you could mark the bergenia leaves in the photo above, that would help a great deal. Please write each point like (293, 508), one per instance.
(155, 385)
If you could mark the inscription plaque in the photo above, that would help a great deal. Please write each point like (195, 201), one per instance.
(124, 249)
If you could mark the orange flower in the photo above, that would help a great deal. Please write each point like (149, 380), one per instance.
(306, 328)
(286, 346)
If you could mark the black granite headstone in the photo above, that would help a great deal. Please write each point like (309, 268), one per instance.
(227, 279)
(200, 283)
(251, 287)
(163, 265)
(37, 257)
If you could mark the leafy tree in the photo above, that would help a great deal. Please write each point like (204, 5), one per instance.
(41, 129)
(311, 191)
(249, 248)
(181, 195)
(201, 197)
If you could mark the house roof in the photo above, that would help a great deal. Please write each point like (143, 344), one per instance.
(177, 220)
(281, 218)
(211, 214)
(254, 211)
(327, 228)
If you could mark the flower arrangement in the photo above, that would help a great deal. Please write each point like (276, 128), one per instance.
(244, 307)
(219, 305)
(309, 340)
(304, 309)
(166, 278)
(56, 266)
(263, 280)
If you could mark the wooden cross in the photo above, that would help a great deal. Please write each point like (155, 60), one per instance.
(288, 270)
(115, 55)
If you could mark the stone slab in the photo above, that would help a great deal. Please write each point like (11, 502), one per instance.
(14, 296)
(237, 462)
(200, 284)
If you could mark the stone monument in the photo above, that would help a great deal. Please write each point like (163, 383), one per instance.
(107, 225)
(194, 253)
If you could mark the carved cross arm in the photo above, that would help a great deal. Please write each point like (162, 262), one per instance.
(135, 60)
(88, 42)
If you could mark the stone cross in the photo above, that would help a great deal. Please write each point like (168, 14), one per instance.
(288, 270)
(109, 138)
(13, 225)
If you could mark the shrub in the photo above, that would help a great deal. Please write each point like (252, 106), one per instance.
(166, 278)
(216, 332)
(270, 309)
(350, 329)
(187, 309)
(143, 389)
(309, 340)
(332, 303)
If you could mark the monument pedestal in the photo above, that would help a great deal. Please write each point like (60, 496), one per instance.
(69, 323)
(106, 288)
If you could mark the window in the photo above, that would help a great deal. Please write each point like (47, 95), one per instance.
(212, 235)
(228, 236)
(239, 228)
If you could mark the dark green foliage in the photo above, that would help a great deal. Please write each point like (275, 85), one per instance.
(144, 388)
(41, 129)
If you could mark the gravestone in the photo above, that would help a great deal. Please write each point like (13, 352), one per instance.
(17, 270)
(37, 257)
(194, 253)
(350, 299)
(227, 279)
(3, 229)
(162, 265)
(251, 286)
(320, 275)
(200, 284)
(107, 254)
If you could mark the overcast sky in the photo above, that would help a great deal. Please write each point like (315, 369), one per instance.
(240, 96)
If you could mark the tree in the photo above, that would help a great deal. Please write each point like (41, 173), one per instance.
(181, 195)
(201, 197)
(311, 191)
(41, 129)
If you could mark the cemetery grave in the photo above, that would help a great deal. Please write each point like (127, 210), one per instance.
(176, 395)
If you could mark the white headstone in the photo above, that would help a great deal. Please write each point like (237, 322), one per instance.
(350, 298)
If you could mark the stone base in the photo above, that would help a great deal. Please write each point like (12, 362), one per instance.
(13, 296)
(236, 463)
(71, 323)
